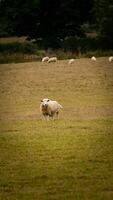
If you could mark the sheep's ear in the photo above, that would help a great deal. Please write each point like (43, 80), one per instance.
(41, 100)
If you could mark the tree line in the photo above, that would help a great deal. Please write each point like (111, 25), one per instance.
(51, 23)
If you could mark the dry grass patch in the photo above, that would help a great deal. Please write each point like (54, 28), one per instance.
(85, 89)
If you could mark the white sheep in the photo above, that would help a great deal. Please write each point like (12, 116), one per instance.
(52, 59)
(93, 58)
(110, 58)
(71, 61)
(49, 108)
(45, 59)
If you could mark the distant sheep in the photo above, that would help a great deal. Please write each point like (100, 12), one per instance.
(93, 58)
(52, 59)
(49, 108)
(45, 59)
(71, 61)
(110, 58)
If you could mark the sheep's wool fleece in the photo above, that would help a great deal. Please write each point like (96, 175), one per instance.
(53, 105)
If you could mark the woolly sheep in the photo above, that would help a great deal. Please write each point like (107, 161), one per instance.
(110, 58)
(52, 59)
(93, 58)
(49, 108)
(45, 59)
(71, 61)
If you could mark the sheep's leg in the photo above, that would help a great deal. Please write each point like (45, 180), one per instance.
(54, 115)
(46, 117)
(57, 115)
(51, 115)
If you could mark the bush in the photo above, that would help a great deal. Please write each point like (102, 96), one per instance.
(16, 47)
(87, 44)
(80, 44)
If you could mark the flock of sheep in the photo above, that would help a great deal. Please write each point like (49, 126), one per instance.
(47, 59)
(50, 109)
(110, 59)
(54, 59)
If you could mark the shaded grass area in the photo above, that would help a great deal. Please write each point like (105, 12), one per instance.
(58, 159)
(18, 57)
(70, 158)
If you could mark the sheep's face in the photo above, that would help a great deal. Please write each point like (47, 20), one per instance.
(44, 103)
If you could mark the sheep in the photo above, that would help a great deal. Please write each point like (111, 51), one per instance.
(110, 58)
(49, 108)
(71, 61)
(52, 59)
(45, 59)
(93, 58)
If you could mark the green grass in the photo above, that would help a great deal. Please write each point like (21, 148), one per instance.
(70, 158)
(57, 160)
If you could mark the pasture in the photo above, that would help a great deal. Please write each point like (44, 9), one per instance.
(70, 158)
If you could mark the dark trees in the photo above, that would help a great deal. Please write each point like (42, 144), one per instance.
(49, 22)
(103, 10)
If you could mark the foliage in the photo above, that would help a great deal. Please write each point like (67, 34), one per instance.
(17, 47)
(104, 19)
(49, 23)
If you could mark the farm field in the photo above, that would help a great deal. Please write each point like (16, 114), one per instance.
(70, 158)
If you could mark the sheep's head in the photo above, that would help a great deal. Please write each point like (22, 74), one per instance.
(44, 102)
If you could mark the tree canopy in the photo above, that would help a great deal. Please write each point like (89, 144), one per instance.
(51, 21)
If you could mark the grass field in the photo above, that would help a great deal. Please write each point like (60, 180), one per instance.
(66, 159)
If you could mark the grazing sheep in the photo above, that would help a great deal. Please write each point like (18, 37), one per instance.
(49, 108)
(110, 58)
(71, 61)
(93, 58)
(52, 59)
(45, 59)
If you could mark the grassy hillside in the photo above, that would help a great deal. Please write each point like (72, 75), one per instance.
(70, 158)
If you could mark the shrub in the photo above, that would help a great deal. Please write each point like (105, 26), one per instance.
(17, 47)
